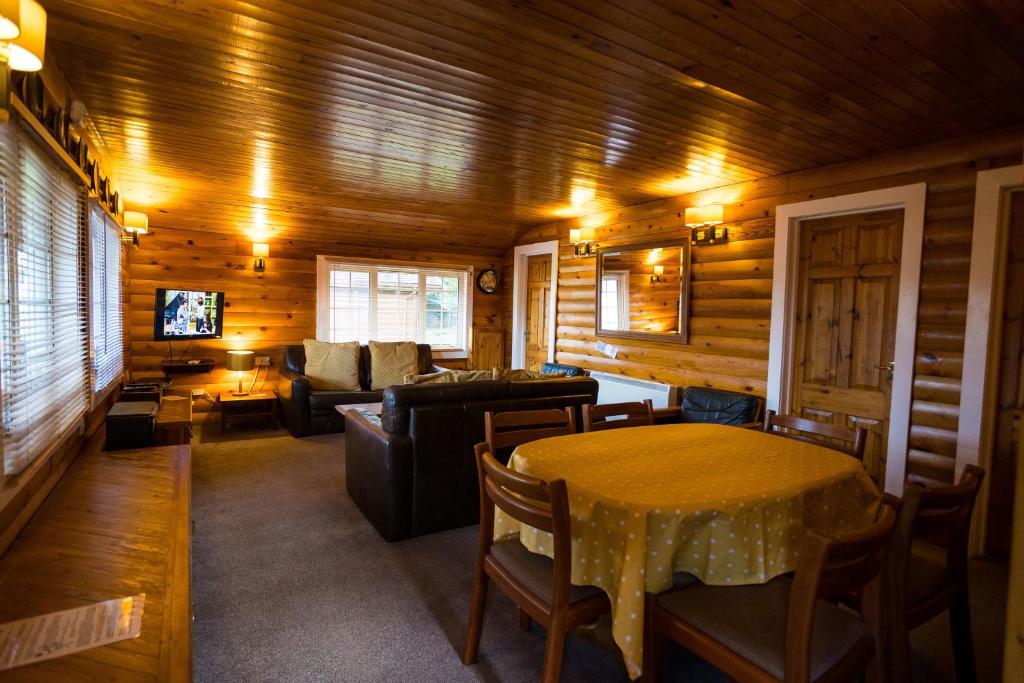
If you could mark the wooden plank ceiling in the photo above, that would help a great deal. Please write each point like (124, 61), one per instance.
(453, 123)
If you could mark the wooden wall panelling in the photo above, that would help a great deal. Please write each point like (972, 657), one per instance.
(264, 312)
(731, 286)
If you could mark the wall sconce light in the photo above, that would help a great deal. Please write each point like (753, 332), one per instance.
(135, 223)
(704, 221)
(22, 43)
(581, 247)
(261, 251)
(659, 272)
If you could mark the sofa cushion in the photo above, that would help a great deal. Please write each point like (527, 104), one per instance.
(521, 375)
(563, 369)
(702, 404)
(448, 377)
(324, 401)
(390, 362)
(332, 366)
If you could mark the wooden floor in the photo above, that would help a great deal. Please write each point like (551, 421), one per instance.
(116, 525)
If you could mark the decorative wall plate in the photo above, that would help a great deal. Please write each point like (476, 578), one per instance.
(487, 281)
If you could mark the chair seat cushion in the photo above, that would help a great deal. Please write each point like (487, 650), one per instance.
(926, 577)
(535, 571)
(751, 621)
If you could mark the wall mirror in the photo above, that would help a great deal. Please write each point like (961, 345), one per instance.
(643, 291)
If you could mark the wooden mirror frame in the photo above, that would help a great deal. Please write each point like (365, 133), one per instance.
(683, 336)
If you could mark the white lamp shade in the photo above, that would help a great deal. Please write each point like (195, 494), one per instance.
(260, 249)
(28, 50)
(714, 214)
(694, 216)
(659, 270)
(575, 235)
(10, 19)
(136, 221)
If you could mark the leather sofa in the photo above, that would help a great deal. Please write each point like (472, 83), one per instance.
(567, 370)
(306, 411)
(717, 406)
(411, 471)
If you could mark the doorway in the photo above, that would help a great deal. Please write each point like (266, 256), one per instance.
(847, 297)
(864, 251)
(534, 304)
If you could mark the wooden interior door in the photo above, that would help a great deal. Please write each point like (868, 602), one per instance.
(847, 300)
(1010, 391)
(538, 293)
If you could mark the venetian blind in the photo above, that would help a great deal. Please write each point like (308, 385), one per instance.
(105, 299)
(44, 372)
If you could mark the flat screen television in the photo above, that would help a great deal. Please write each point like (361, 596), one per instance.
(188, 314)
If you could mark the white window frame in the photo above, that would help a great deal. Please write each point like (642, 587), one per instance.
(324, 266)
(621, 278)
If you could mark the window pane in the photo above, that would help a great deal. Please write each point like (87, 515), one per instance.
(442, 328)
(349, 306)
(610, 303)
(397, 305)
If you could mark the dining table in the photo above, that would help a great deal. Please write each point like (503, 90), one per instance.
(726, 505)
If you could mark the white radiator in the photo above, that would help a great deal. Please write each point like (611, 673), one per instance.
(619, 389)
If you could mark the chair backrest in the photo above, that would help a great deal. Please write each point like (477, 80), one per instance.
(849, 440)
(633, 414)
(512, 428)
(940, 515)
(537, 503)
(830, 567)
(717, 406)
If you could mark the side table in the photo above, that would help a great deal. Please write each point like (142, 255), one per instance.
(251, 407)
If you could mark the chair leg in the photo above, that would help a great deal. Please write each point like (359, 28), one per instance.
(963, 642)
(476, 618)
(554, 650)
(524, 621)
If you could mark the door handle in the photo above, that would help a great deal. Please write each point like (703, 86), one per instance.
(889, 367)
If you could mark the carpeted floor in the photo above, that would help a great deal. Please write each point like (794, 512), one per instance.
(291, 583)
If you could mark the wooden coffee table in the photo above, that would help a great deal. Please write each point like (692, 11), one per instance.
(248, 408)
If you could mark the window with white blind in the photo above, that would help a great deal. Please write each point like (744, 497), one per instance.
(107, 338)
(44, 371)
(360, 302)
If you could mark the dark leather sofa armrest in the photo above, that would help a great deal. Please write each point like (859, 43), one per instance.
(379, 474)
(293, 390)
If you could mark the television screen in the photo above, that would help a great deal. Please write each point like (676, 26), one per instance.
(188, 314)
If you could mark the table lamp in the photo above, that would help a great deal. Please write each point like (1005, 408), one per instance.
(241, 362)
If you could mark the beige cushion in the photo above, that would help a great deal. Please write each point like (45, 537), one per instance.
(536, 572)
(751, 621)
(390, 362)
(524, 375)
(448, 377)
(332, 366)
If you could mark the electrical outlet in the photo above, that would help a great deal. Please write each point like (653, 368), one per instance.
(263, 361)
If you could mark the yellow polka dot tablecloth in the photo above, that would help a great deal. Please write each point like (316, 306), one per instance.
(726, 504)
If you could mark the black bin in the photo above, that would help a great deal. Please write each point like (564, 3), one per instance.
(131, 424)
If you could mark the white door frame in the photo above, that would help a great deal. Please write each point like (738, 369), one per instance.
(980, 379)
(910, 198)
(520, 273)
(988, 253)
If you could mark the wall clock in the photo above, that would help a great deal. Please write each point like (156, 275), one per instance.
(487, 281)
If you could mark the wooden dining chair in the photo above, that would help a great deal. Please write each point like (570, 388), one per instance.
(849, 440)
(511, 428)
(633, 414)
(788, 630)
(537, 584)
(922, 587)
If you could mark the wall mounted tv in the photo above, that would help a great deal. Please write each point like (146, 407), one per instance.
(188, 314)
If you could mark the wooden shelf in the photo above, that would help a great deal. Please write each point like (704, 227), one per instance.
(193, 366)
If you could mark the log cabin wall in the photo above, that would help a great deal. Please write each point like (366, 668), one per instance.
(264, 312)
(731, 283)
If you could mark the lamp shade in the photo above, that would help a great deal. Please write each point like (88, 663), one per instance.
(28, 50)
(714, 214)
(575, 235)
(136, 221)
(10, 19)
(260, 249)
(241, 361)
(659, 270)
